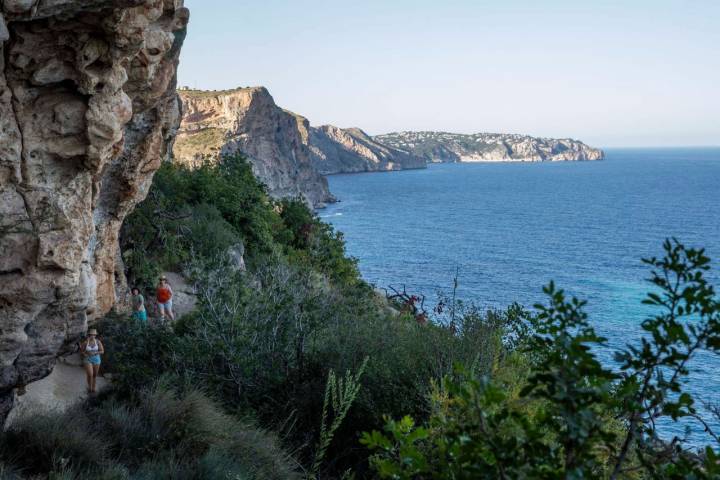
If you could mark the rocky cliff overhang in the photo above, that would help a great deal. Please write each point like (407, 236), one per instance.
(88, 110)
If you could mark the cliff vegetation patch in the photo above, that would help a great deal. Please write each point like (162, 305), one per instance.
(201, 144)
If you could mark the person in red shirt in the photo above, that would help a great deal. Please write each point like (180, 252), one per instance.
(164, 298)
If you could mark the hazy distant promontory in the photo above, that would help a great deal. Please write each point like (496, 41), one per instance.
(488, 147)
(350, 150)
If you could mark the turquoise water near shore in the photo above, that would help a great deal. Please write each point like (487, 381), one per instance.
(511, 227)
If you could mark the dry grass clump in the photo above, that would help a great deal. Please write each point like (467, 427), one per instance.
(162, 434)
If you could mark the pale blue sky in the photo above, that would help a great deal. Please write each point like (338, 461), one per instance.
(611, 73)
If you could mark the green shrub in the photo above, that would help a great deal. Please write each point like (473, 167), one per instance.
(44, 441)
(259, 454)
(312, 243)
(165, 467)
(219, 465)
(200, 213)
(266, 340)
(160, 434)
(187, 425)
(135, 352)
(574, 417)
(144, 270)
(224, 200)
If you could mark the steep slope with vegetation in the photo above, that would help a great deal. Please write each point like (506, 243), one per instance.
(299, 356)
(265, 339)
(159, 434)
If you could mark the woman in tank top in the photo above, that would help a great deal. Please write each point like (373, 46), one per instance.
(164, 296)
(91, 349)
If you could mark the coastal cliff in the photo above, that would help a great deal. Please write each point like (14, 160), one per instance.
(351, 150)
(290, 156)
(88, 111)
(247, 120)
(488, 147)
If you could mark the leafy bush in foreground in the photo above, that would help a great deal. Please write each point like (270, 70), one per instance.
(574, 417)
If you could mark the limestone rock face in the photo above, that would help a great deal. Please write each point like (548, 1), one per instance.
(88, 110)
(350, 150)
(489, 147)
(248, 121)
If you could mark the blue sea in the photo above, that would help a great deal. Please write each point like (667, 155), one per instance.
(509, 228)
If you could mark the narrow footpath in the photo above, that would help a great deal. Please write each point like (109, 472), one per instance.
(66, 385)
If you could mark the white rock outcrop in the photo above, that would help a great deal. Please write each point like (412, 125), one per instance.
(88, 110)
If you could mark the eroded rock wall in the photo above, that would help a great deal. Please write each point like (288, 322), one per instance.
(88, 110)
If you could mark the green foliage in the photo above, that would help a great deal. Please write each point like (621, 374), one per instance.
(562, 423)
(339, 397)
(529, 398)
(202, 212)
(311, 243)
(266, 341)
(159, 435)
(688, 321)
(135, 352)
(574, 387)
(46, 442)
(199, 212)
